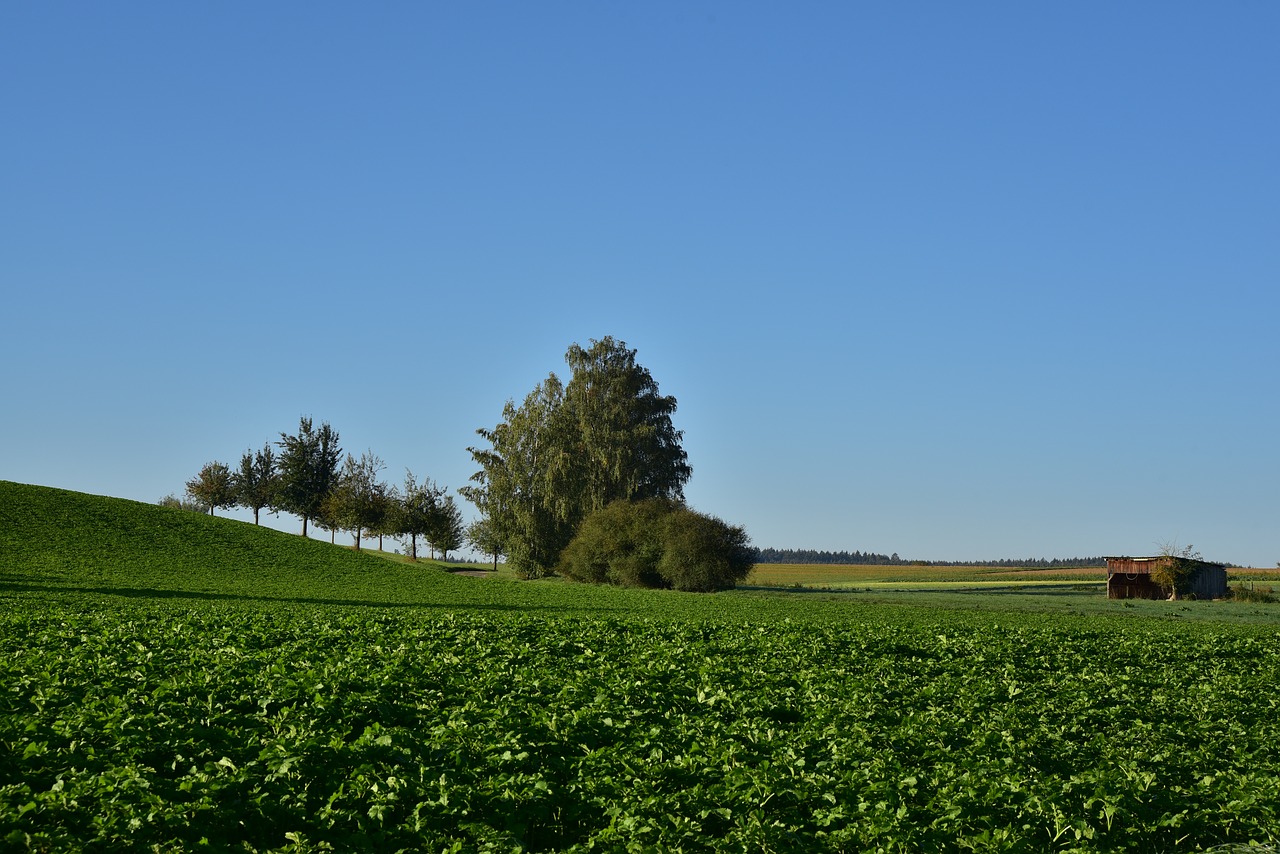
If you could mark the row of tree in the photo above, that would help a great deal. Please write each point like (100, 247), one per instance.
(857, 558)
(309, 478)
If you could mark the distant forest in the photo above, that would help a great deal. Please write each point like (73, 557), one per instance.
(872, 559)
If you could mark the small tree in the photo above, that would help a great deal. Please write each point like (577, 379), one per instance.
(387, 521)
(481, 536)
(416, 510)
(621, 544)
(1176, 568)
(308, 466)
(446, 529)
(175, 503)
(358, 501)
(326, 517)
(256, 483)
(212, 487)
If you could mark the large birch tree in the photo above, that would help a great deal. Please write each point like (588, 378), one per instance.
(570, 450)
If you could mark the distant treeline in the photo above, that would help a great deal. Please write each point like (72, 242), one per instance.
(873, 559)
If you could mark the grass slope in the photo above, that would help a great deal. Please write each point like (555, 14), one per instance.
(52, 539)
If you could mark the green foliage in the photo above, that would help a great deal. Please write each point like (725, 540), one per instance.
(308, 470)
(416, 512)
(173, 502)
(445, 530)
(212, 487)
(256, 483)
(620, 442)
(514, 488)
(702, 553)
(621, 544)
(569, 451)
(359, 500)
(1250, 592)
(657, 543)
(481, 536)
(233, 728)
(1177, 567)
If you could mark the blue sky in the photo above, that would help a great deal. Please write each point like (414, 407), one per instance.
(957, 281)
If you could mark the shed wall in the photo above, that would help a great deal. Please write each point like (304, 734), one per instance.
(1210, 583)
(1135, 586)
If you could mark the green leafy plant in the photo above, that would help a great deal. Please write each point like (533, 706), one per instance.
(1250, 592)
(175, 682)
(657, 543)
(1176, 568)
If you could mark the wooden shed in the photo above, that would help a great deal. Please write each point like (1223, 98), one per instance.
(1130, 578)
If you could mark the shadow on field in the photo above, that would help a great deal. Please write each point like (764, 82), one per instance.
(202, 595)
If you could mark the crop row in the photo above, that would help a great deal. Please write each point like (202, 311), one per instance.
(360, 730)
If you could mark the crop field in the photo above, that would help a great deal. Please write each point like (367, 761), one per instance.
(225, 688)
(843, 576)
(838, 576)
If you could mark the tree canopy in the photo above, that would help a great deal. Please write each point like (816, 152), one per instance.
(658, 542)
(416, 511)
(308, 466)
(516, 487)
(570, 450)
(256, 483)
(212, 487)
(359, 500)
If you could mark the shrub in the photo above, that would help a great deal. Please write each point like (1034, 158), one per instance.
(1251, 593)
(620, 544)
(175, 503)
(1174, 574)
(657, 543)
(702, 553)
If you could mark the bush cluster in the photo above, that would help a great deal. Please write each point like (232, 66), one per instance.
(1249, 592)
(658, 543)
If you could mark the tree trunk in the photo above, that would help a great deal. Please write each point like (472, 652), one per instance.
(255, 515)
(304, 527)
(357, 539)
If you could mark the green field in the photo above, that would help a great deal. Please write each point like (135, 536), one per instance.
(843, 575)
(179, 682)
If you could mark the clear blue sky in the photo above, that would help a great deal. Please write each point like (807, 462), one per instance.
(957, 281)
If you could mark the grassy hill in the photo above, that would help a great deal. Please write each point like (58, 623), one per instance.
(53, 539)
